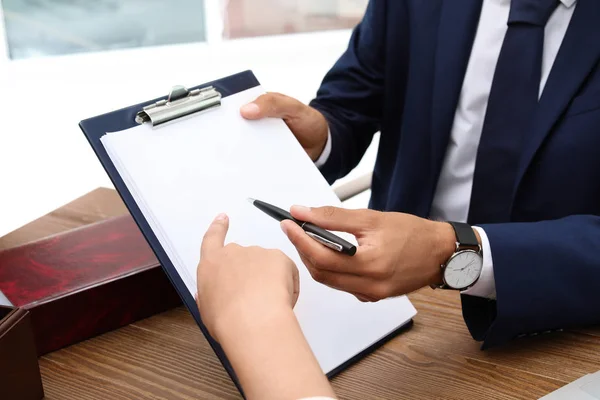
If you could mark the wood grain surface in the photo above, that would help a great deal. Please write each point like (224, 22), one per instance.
(166, 356)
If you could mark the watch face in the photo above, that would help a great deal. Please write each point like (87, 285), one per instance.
(463, 269)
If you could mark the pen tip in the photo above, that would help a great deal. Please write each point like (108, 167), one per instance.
(250, 200)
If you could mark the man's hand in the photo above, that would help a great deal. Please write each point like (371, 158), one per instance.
(238, 285)
(397, 253)
(308, 125)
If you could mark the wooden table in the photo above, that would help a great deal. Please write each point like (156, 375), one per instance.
(166, 356)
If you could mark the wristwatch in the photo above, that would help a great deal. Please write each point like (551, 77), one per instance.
(463, 268)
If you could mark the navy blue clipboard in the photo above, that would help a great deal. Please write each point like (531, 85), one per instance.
(96, 127)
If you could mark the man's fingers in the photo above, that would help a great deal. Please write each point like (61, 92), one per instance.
(214, 238)
(318, 256)
(337, 219)
(364, 289)
(324, 277)
(271, 105)
(363, 298)
(334, 274)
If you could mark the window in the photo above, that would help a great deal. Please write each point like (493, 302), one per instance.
(55, 27)
(267, 17)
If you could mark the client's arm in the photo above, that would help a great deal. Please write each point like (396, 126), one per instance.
(246, 298)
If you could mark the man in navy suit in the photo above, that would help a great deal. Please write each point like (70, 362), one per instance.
(487, 179)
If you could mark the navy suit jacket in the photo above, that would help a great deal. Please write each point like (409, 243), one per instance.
(402, 74)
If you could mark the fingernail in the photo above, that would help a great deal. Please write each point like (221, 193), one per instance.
(250, 109)
(221, 217)
(300, 209)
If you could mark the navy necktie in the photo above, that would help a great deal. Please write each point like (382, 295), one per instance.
(511, 106)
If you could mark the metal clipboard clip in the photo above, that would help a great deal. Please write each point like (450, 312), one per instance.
(180, 103)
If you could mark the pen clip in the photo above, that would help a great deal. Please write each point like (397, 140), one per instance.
(325, 242)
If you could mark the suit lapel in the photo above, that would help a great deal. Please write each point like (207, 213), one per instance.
(578, 54)
(456, 33)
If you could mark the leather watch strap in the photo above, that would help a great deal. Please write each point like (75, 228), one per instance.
(464, 234)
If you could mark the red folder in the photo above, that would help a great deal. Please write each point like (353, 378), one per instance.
(85, 282)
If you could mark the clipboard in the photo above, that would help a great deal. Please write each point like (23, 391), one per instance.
(181, 103)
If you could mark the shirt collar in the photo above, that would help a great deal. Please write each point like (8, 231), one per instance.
(568, 3)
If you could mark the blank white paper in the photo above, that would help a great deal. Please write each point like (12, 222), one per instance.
(183, 174)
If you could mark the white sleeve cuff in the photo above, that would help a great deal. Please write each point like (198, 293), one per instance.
(485, 285)
(326, 152)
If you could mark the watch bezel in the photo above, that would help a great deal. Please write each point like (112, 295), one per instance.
(452, 257)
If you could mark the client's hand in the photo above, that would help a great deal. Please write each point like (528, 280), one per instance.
(237, 284)
(245, 297)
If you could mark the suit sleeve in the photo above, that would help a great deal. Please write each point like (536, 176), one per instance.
(546, 275)
(351, 94)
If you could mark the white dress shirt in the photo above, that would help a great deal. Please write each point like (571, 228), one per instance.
(453, 193)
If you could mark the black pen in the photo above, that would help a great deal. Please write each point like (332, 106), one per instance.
(321, 235)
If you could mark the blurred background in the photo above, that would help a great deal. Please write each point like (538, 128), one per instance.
(53, 27)
(62, 61)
